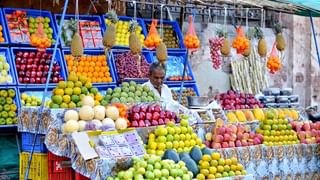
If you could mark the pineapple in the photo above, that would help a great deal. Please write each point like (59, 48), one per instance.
(162, 53)
(109, 37)
(262, 44)
(225, 49)
(76, 45)
(281, 44)
(134, 41)
(249, 35)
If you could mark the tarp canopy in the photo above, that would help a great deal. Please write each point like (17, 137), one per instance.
(305, 6)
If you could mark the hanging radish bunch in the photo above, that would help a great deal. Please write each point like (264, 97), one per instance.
(215, 45)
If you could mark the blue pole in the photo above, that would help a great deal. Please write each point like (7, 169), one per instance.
(314, 37)
(46, 88)
(183, 74)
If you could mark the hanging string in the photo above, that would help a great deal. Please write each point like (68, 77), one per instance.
(280, 21)
(77, 14)
(209, 15)
(109, 5)
(161, 21)
(169, 13)
(247, 12)
(262, 14)
(225, 19)
(134, 10)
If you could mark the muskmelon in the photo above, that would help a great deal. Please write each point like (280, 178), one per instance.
(134, 41)
(76, 45)
(162, 53)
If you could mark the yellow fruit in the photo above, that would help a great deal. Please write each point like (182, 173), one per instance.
(66, 98)
(59, 92)
(205, 172)
(214, 163)
(225, 49)
(204, 165)
(201, 177)
(88, 85)
(215, 156)
(294, 115)
(76, 91)
(249, 115)
(162, 53)
(70, 84)
(262, 47)
(206, 157)
(62, 85)
(134, 41)
(247, 52)
(228, 162)
(211, 176)
(212, 170)
(232, 117)
(240, 116)
(220, 168)
(152, 145)
(76, 45)
(259, 114)
(73, 77)
(96, 103)
(98, 97)
(109, 37)
(78, 84)
(239, 167)
(281, 43)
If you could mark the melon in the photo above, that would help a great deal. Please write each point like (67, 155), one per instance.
(112, 112)
(97, 123)
(108, 122)
(121, 123)
(88, 101)
(71, 126)
(86, 113)
(71, 115)
(99, 112)
(82, 125)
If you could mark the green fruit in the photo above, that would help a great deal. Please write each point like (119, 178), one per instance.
(72, 105)
(132, 89)
(68, 91)
(94, 91)
(9, 100)
(11, 93)
(79, 104)
(125, 84)
(53, 105)
(64, 105)
(75, 98)
(132, 83)
(70, 84)
(84, 90)
(9, 121)
(78, 84)
(123, 94)
(3, 93)
(117, 90)
(56, 99)
(4, 114)
(2, 121)
(109, 91)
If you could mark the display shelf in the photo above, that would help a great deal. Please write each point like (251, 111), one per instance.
(4, 30)
(114, 52)
(30, 13)
(93, 52)
(35, 91)
(27, 142)
(126, 19)
(174, 69)
(6, 53)
(175, 31)
(85, 18)
(16, 102)
(58, 59)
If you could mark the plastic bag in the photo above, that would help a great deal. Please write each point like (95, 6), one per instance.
(40, 39)
(191, 40)
(153, 38)
(240, 43)
(274, 62)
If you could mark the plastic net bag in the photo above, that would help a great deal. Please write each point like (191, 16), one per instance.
(274, 62)
(153, 38)
(40, 39)
(191, 40)
(240, 43)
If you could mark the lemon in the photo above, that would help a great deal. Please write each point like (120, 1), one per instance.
(169, 145)
(205, 172)
(153, 145)
(151, 151)
(211, 176)
(204, 165)
(98, 97)
(72, 105)
(206, 157)
(76, 91)
(66, 98)
(59, 92)
(159, 152)
(201, 177)
(228, 162)
(152, 136)
(70, 84)
(220, 168)
(68, 91)
(78, 84)
(88, 85)
(62, 85)
(212, 170)
(161, 146)
(215, 156)
(221, 162)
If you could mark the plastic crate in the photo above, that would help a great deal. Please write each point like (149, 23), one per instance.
(125, 18)
(30, 13)
(35, 91)
(58, 58)
(27, 142)
(57, 18)
(16, 102)
(176, 29)
(183, 55)
(4, 29)
(78, 176)
(176, 87)
(6, 52)
(39, 166)
(114, 52)
(93, 52)
(56, 170)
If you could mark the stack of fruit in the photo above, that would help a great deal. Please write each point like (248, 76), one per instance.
(30, 100)
(95, 68)
(8, 107)
(245, 115)
(5, 76)
(122, 32)
(152, 167)
(68, 94)
(180, 138)
(32, 67)
(129, 93)
(90, 32)
(91, 117)
(169, 36)
(47, 30)
(18, 26)
(1, 35)
(308, 132)
(229, 136)
(276, 130)
(233, 100)
(185, 93)
(145, 115)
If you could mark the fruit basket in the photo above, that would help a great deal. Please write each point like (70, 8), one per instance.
(91, 30)
(173, 37)
(147, 55)
(7, 77)
(3, 31)
(175, 63)
(32, 68)
(123, 31)
(30, 19)
(9, 119)
(100, 74)
(32, 96)
(189, 89)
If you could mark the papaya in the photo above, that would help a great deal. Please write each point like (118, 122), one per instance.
(196, 154)
(184, 154)
(191, 165)
(171, 155)
(249, 115)
(206, 151)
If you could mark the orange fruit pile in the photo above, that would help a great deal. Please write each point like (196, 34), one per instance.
(40, 39)
(240, 43)
(191, 41)
(273, 64)
(1, 35)
(95, 68)
(152, 40)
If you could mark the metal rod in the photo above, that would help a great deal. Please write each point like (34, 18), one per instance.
(183, 74)
(46, 88)
(314, 37)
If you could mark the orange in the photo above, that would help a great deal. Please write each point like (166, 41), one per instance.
(81, 63)
(97, 69)
(80, 69)
(109, 79)
(91, 69)
(95, 74)
(94, 58)
(89, 58)
(92, 64)
(89, 74)
(107, 74)
(103, 63)
(85, 69)
(78, 73)
(0, 28)
(98, 63)
(99, 80)
(101, 74)
(87, 64)
(104, 79)
(101, 58)
(82, 58)
(94, 79)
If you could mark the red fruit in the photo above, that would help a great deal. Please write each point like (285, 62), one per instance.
(151, 108)
(166, 120)
(226, 137)
(141, 123)
(134, 124)
(221, 130)
(155, 116)
(38, 80)
(144, 108)
(147, 123)
(157, 108)
(136, 109)
(154, 123)
(232, 144)
(162, 114)
(136, 116)
(216, 145)
(161, 122)
(225, 145)
(238, 143)
(218, 138)
(142, 115)
(148, 116)
(169, 114)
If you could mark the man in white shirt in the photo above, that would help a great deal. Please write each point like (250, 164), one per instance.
(157, 73)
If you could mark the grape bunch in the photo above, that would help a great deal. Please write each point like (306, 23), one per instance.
(215, 45)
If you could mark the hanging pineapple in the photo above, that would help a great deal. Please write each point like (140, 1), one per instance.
(262, 44)
(109, 37)
(225, 48)
(162, 53)
(249, 35)
(281, 44)
(134, 40)
(76, 45)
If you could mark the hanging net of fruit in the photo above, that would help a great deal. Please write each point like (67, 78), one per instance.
(191, 40)
(240, 43)
(153, 38)
(40, 39)
(274, 62)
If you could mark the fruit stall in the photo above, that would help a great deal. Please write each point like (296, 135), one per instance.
(72, 89)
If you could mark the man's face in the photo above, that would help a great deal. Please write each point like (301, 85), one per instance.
(157, 77)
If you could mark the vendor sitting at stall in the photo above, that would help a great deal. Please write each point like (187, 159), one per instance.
(157, 73)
